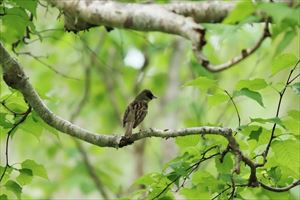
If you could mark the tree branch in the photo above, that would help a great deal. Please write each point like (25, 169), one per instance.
(235, 107)
(175, 18)
(15, 77)
(281, 93)
(23, 118)
(244, 54)
(283, 189)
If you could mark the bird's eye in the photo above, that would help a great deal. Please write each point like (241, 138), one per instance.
(149, 95)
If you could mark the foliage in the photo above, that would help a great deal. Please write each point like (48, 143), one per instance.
(43, 160)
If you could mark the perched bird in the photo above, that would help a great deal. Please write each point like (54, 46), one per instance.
(136, 111)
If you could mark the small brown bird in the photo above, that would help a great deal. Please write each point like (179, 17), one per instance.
(136, 111)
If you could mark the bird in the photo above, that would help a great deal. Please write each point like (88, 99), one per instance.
(136, 111)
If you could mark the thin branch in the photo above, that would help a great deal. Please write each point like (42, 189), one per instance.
(283, 189)
(231, 197)
(244, 54)
(294, 78)
(220, 193)
(38, 58)
(90, 169)
(235, 107)
(175, 18)
(23, 118)
(10, 110)
(272, 136)
(192, 168)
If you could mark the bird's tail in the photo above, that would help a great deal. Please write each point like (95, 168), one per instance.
(129, 127)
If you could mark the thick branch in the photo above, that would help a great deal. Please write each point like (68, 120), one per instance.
(15, 77)
(202, 12)
(141, 17)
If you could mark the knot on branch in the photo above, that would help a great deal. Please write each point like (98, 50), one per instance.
(125, 140)
(14, 77)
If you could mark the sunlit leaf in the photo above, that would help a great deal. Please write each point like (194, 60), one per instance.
(25, 176)
(30, 5)
(283, 61)
(286, 40)
(14, 187)
(294, 114)
(32, 127)
(4, 122)
(275, 173)
(255, 84)
(3, 197)
(226, 166)
(195, 193)
(254, 135)
(217, 99)
(37, 169)
(256, 96)
(19, 18)
(268, 120)
(202, 82)
(296, 88)
(187, 141)
(287, 152)
(240, 12)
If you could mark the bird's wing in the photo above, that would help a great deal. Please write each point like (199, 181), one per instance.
(141, 110)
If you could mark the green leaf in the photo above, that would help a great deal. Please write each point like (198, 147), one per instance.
(14, 187)
(191, 140)
(217, 99)
(294, 114)
(195, 193)
(256, 96)
(4, 122)
(202, 82)
(7, 172)
(14, 24)
(279, 12)
(275, 173)
(254, 135)
(292, 125)
(29, 5)
(268, 120)
(287, 152)
(255, 84)
(283, 61)
(226, 166)
(286, 40)
(33, 127)
(296, 88)
(3, 197)
(25, 176)
(242, 10)
(37, 169)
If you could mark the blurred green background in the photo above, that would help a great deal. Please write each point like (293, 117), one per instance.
(119, 64)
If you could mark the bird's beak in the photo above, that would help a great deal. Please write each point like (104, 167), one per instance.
(154, 97)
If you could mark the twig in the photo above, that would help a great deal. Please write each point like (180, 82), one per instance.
(7, 139)
(244, 54)
(231, 197)
(90, 169)
(193, 167)
(235, 107)
(281, 93)
(221, 192)
(37, 58)
(10, 110)
(283, 189)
